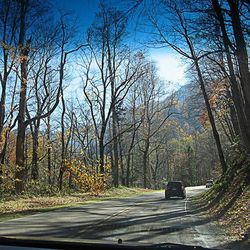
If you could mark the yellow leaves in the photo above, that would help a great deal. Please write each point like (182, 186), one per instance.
(7, 177)
(86, 177)
(237, 218)
(10, 50)
(7, 47)
(187, 139)
(68, 132)
(23, 58)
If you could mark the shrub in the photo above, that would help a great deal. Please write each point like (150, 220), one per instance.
(87, 178)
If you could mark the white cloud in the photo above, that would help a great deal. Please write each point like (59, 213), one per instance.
(170, 67)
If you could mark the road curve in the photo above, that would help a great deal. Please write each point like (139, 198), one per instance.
(146, 218)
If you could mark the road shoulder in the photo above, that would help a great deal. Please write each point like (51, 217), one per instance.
(213, 225)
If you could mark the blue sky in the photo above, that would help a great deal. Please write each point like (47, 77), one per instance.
(169, 64)
(84, 9)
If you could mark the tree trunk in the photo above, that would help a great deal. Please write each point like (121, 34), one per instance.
(205, 96)
(131, 148)
(123, 179)
(101, 154)
(49, 152)
(129, 159)
(2, 105)
(241, 50)
(35, 135)
(63, 150)
(21, 127)
(128, 169)
(211, 118)
(242, 58)
(236, 93)
(145, 163)
(115, 148)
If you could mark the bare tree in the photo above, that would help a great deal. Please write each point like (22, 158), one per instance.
(155, 114)
(42, 112)
(116, 70)
(9, 22)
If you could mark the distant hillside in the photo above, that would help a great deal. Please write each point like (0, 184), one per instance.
(189, 108)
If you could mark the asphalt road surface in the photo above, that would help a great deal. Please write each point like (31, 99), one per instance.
(146, 218)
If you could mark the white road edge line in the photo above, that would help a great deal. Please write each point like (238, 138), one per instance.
(186, 201)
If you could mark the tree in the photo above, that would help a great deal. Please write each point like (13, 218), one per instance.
(136, 121)
(43, 112)
(154, 113)
(24, 48)
(240, 92)
(9, 22)
(182, 29)
(117, 70)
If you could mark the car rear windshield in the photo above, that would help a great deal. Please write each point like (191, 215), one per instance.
(174, 184)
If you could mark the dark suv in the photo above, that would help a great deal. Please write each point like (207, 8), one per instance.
(175, 188)
(209, 183)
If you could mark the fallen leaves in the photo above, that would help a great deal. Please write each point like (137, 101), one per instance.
(237, 218)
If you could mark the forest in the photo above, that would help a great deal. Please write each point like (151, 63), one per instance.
(86, 109)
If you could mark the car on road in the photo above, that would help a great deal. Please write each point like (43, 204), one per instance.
(209, 183)
(175, 188)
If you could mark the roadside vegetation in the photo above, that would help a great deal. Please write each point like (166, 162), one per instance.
(228, 203)
(13, 206)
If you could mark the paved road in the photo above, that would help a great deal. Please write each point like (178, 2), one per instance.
(147, 219)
